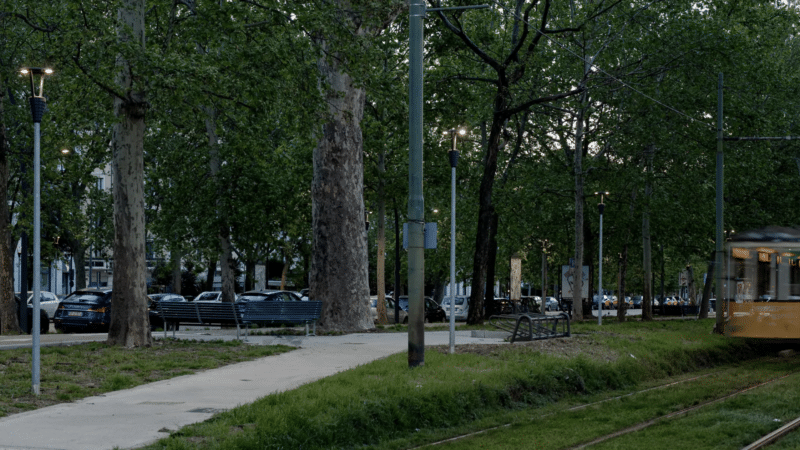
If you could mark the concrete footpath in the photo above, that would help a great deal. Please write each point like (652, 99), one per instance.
(139, 416)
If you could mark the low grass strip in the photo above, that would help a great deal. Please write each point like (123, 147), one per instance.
(73, 372)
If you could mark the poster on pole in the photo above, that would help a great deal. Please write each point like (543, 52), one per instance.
(568, 275)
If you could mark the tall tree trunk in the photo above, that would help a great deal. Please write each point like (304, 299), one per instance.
(621, 288)
(381, 244)
(339, 268)
(577, 284)
(491, 270)
(486, 213)
(226, 260)
(647, 263)
(397, 284)
(211, 273)
(227, 264)
(690, 285)
(8, 307)
(287, 261)
(176, 271)
(79, 257)
(130, 326)
(249, 274)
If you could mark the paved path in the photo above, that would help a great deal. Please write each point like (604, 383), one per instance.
(135, 417)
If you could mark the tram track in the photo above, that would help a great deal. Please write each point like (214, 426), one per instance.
(682, 412)
(647, 423)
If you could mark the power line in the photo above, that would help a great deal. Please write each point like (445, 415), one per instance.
(599, 69)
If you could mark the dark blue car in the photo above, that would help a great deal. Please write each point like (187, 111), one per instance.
(83, 311)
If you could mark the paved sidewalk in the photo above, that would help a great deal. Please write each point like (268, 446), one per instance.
(135, 417)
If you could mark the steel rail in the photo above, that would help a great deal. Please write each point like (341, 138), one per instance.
(771, 438)
(672, 415)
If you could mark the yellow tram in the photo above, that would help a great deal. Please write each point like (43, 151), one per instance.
(761, 291)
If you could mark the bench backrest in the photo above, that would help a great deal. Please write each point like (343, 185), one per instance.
(280, 311)
(202, 312)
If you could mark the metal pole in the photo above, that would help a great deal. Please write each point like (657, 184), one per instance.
(600, 271)
(453, 154)
(36, 102)
(718, 235)
(416, 203)
(544, 286)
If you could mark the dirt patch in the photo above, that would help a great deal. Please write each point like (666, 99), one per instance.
(560, 347)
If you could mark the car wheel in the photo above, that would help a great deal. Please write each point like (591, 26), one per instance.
(405, 319)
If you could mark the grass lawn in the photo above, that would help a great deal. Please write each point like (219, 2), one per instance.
(73, 372)
(526, 387)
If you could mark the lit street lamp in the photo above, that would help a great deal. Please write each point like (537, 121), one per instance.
(601, 206)
(37, 109)
(453, 155)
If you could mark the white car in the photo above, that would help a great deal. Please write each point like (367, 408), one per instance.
(373, 306)
(461, 307)
(48, 302)
(212, 296)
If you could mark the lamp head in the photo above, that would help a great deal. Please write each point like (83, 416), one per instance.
(41, 72)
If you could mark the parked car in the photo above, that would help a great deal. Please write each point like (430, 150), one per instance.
(373, 307)
(637, 301)
(44, 321)
(551, 304)
(433, 312)
(84, 310)
(606, 300)
(209, 296)
(152, 310)
(268, 295)
(47, 301)
(304, 295)
(461, 309)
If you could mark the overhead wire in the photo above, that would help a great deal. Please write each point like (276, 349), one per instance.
(597, 68)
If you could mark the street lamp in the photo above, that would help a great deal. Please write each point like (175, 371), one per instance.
(601, 207)
(37, 110)
(453, 155)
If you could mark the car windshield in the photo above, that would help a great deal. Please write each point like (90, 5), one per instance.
(252, 296)
(458, 301)
(207, 296)
(84, 297)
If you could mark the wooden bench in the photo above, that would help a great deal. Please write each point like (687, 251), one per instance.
(202, 313)
(290, 313)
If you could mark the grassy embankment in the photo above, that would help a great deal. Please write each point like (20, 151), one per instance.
(387, 405)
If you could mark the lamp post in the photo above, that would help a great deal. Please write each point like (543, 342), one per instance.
(453, 156)
(37, 109)
(601, 207)
(416, 218)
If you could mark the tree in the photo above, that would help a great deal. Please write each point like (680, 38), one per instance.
(339, 276)
(516, 89)
(129, 322)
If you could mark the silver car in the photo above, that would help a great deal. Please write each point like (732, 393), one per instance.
(461, 306)
(48, 302)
